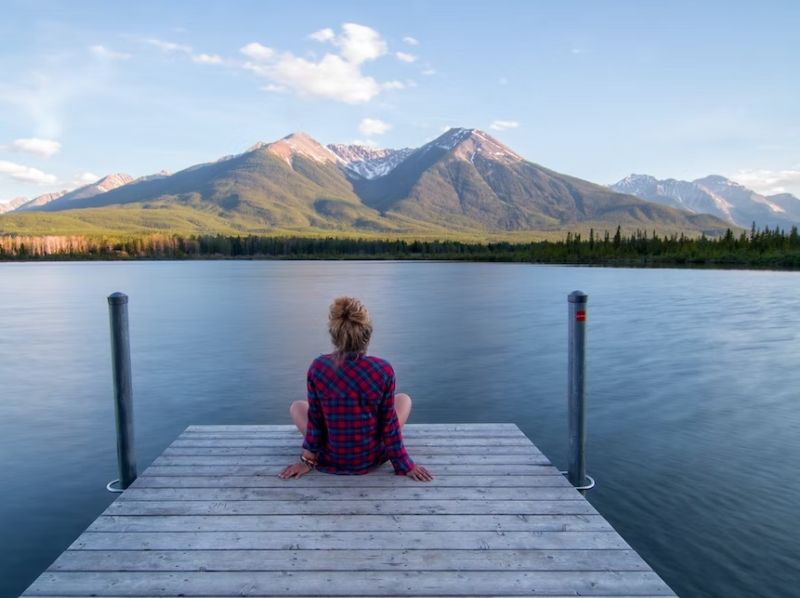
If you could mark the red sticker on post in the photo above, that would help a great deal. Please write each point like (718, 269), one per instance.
(580, 316)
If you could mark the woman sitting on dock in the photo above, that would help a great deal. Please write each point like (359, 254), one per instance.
(352, 418)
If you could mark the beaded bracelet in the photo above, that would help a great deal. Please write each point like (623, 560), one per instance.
(309, 462)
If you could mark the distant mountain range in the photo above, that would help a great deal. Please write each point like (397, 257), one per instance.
(463, 182)
(718, 196)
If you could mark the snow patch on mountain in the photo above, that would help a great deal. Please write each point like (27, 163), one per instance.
(367, 162)
(713, 194)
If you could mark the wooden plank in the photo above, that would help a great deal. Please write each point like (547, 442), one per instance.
(428, 459)
(523, 508)
(304, 540)
(211, 518)
(295, 450)
(294, 439)
(294, 491)
(353, 523)
(336, 583)
(438, 440)
(373, 481)
(268, 443)
(275, 467)
(350, 560)
(471, 428)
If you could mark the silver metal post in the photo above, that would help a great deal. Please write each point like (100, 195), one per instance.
(576, 390)
(123, 389)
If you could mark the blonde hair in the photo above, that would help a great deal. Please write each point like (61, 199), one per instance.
(349, 325)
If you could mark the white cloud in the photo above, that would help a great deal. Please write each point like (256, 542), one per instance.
(410, 41)
(335, 76)
(373, 126)
(332, 78)
(406, 57)
(87, 178)
(258, 52)
(40, 147)
(429, 71)
(168, 46)
(207, 59)
(365, 142)
(770, 182)
(25, 174)
(360, 44)
(104, 53)
(502, 125)
(323, 35)
(274, 88)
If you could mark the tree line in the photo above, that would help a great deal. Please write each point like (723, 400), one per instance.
(771, 248)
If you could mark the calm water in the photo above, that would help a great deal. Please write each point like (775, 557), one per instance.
(693, 388)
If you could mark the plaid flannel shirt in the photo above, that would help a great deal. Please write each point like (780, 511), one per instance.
(352, 422)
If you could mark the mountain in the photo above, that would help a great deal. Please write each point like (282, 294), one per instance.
(151, 177)
(104, 185)
(463, 183)
(37, 202)
(788, 202)
(715, 195)
(366, 162)
(8, 206)
(471, 181)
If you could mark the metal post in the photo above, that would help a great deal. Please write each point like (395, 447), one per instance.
(576, 390)
(123, 389)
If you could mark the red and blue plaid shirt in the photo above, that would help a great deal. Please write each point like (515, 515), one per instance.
(352, 422)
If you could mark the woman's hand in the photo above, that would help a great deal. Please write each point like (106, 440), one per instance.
(420, 474)
(296, 470)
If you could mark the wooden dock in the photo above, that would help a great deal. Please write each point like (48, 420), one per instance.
(210, 517)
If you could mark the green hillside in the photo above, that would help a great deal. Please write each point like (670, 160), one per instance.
(461, 192)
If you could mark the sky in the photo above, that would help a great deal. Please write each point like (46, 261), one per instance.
(596, 90)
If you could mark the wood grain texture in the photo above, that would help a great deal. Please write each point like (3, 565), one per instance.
(336, 583)
(211, 518)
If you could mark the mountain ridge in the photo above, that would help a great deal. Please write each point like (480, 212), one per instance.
(463, 182)
(715, 195)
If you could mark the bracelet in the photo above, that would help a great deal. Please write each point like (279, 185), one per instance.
(308, 462)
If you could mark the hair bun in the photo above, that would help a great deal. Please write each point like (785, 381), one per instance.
(349, 324)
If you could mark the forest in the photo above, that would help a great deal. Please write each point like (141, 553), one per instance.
(755, 248)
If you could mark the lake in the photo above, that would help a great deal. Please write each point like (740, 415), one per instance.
(693, 381)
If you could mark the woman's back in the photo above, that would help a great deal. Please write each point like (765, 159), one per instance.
(352, 423)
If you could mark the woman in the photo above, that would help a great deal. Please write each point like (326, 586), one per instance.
(352, 418)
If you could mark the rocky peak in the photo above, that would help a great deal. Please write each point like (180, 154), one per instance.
(300, 144)
(10, 206)
(41, 200)
(161, 174)
(468, 143)
(107, 183)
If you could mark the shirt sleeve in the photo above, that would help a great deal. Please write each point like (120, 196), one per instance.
(390, 432)
(316, 430)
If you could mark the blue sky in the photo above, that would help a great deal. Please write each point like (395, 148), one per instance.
(597, 90)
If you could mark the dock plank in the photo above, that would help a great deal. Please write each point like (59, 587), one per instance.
(359, 523)
(350, 560)
(521, 508)
(336, 583)
(546, 478)
(210, 518)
